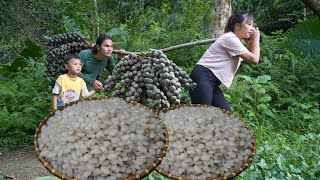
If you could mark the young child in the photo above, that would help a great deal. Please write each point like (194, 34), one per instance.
(69, 87)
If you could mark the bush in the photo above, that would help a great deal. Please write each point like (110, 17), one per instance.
(25, 101)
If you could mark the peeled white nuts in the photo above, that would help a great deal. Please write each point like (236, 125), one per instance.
(102, 139)
(205, 143)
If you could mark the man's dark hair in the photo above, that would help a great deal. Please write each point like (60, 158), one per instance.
(99, 41)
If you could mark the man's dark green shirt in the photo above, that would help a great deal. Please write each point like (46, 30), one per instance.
(91, 68)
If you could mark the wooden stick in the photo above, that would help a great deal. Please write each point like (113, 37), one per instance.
(180, 46)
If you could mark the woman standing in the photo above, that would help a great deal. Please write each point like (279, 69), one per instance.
(221, 60)
(94, 60)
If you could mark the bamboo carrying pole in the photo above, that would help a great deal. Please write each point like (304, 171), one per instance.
(180, 46)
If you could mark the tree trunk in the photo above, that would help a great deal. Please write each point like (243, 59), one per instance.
(304, 13)
(314, 6)
(97, 16)
(221, 10)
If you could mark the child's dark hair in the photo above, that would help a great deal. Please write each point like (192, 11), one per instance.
(237, 18)
(99, 41)
(67, 58)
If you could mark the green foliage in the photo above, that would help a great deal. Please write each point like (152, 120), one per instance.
(70, 25)
(275, 15)
(22, 20)
(30, 53)
(24, 102)
(164, 25)
(285, 156)
(253, 97)
(28, 56)
(155, 176)
(304, 39)
(287, 71)
(24, 97)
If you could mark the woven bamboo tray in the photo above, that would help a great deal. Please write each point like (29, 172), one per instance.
(171, 175)
(54, 172)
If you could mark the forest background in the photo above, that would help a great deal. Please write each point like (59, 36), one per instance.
(278, 98)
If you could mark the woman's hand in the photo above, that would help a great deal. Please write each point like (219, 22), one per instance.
(253, 46)
(254, 38)
(97, 85)
(255, 35)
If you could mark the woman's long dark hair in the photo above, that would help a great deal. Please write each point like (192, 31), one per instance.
(237, 18)
(99, 41)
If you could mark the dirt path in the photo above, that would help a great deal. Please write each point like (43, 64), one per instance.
(23, 164)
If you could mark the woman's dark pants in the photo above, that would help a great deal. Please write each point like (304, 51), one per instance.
(207, 90)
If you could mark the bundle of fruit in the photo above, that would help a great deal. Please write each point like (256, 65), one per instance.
(151, 79)
(57, 47)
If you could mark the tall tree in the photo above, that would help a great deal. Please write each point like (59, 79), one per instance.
(97, 16)
(221, 10)
(314, 5)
